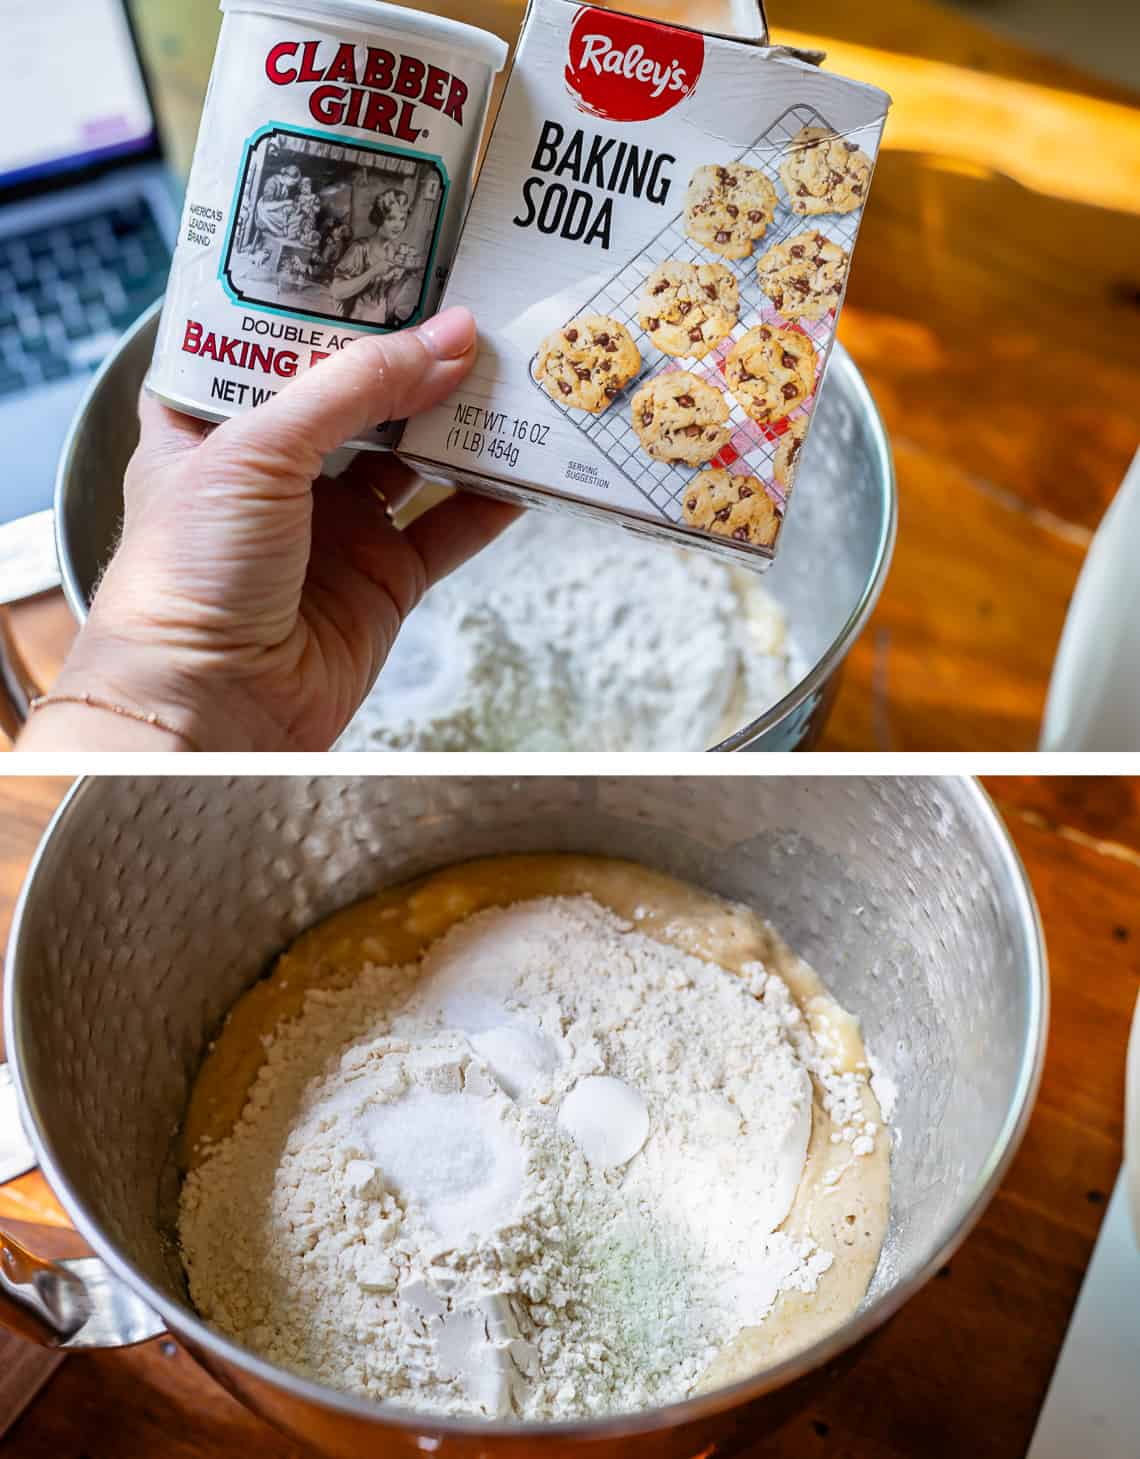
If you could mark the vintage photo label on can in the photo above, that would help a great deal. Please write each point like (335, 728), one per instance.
(334, 232)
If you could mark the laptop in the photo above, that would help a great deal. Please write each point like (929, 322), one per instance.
(88, 218)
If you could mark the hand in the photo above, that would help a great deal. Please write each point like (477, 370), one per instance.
(253, 601)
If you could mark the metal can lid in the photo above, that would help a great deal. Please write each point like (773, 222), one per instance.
(375, 15)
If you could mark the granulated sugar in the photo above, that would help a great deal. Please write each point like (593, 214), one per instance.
(540, 1174)
(569, 636)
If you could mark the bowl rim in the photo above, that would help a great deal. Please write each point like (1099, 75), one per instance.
(840, 363)
(671, 1416)
(69, 581)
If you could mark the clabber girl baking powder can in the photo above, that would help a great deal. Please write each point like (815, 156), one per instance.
(331, 174)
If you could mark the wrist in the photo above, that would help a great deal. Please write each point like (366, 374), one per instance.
(167, 662)
(162, 699)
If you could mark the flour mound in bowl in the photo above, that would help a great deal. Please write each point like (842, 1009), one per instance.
(564, 635)
(547, 1170)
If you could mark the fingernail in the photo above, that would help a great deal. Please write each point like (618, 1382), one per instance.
(450, 334)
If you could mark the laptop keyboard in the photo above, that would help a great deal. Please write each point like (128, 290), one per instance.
(69, 290)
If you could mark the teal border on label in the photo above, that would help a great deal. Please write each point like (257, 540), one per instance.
(340, 140)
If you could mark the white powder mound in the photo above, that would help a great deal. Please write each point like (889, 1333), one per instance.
(565, 635)
(540, 1174)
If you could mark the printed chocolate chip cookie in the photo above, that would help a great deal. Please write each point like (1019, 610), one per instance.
(823, 173)
(728, 208)
(732, 506)
(586, 363)
(787, 461)
(771, 371)
(680, 418)
(688, 308)
(804, 276)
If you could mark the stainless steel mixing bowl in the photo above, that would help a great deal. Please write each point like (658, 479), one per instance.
(833, 561)
(153, 904)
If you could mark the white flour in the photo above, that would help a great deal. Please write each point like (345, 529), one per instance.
(539, 1174)
(566, 635)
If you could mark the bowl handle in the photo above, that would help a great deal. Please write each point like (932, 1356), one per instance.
(70, 1304)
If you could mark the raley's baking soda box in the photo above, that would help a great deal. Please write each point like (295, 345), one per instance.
(657, 252)
(330, 177)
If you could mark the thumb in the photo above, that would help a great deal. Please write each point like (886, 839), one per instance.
(368, 382)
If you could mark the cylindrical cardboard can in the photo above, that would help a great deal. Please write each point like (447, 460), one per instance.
(330, 178)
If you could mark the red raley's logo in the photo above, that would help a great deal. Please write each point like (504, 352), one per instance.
(629, 70)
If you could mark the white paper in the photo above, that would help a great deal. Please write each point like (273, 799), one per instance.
(1132, 1121)
(16, 1155)
(1092, 1409)
(1094, 695)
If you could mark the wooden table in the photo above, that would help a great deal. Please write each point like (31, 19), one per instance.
(995, 309)
(1003, 232)
(961, 1371)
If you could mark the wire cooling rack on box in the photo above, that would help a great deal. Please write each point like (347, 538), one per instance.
(612, 431)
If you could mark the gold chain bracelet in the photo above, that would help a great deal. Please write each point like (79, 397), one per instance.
(122, 710)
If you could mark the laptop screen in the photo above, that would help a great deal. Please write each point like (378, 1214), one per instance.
(73, 90)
